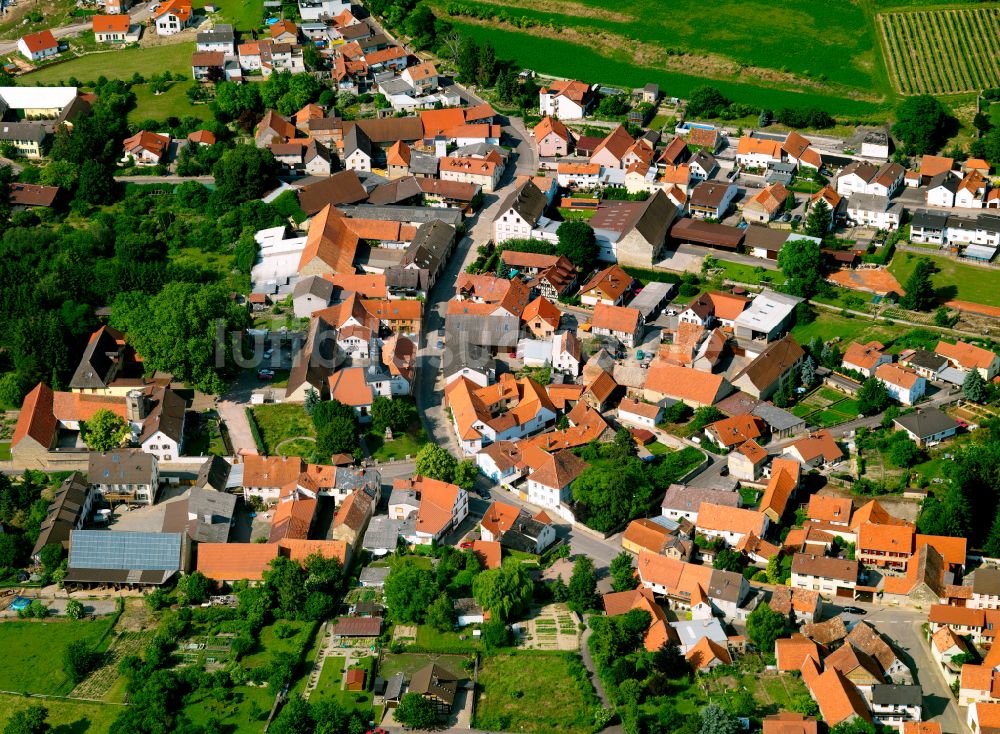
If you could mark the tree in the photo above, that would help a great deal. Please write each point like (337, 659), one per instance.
(74, 609)
(79, 660)
(465, 475)
(706, 102)
(582, 585)
(873, 397)
(764, 626)
(922, 124)
(486, 65)
(339, 436)
(467, 60)
(394, 413)
(774, 571)
(436, 462)
(728, 560)
(801, 263)
(284, 581)
(819, 220)
(96, 185)
(409, 591)
(32, 720)
(505, 591)
(104, 431)
(919, 295)
(243, 173)
(296, 717)
(781, 396)
(194, 587)
(670, 661)
(622, 573)
(856, 726)
(441, 614)
(716, 720)
(992, 546)
(178, 331)
(807, 372)
(577, 242)
(974, 387)
(495, 634)
(903, 452)
(311, 401)
(415, 712)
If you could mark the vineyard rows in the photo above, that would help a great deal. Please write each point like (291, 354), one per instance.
(943, 51)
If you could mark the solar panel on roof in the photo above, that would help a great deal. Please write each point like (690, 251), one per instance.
(125, 550)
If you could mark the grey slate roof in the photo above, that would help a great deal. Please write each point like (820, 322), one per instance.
(778, 419)
(687, 499)
(124, 466)
(527, 200)
(926, 422)
(64, 512)
(314, 285)
(213, 513)
(897, 695)
(214, 474)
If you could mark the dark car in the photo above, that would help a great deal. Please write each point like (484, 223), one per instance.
(855, 610)
(440, 332)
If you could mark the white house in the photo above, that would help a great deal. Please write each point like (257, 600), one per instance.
(173, 17)
(757, 152)
(38, 46)
(322, 9)
(641, 414)
(521, 216)
(874, 211)
(550, 483)
(942, 189)
(566, 353)
(566, 99)
(903, 384)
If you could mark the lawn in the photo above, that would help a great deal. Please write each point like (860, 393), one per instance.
(65, 717)
(244, 713)
(330, 678)
(968, 283)
(271, 643)
(5, 451)
(828, 325)
(245, 15)
(118, 64)
(171, 103)
(657, 449)
(745, 273)
(432, 640)
(834, 46)
(401, 446)
(278, 421)
(409, 663)
(534, 692)
(33, 652)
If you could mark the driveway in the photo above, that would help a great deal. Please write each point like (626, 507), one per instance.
(232, 410)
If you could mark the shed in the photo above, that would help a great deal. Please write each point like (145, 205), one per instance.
(653, 297)
(355, 679)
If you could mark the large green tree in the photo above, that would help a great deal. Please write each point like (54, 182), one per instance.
(974, 387)
(873, 397)
(764, 626)
(187, 330)
(30, 720)
(623, 572)
(415, 712)
(436, 462)
(409, 591)
(105, 430)
(922, 124)
(919, 290)
(506, 591)
(577, 242)
(243, 173)
(801, 262)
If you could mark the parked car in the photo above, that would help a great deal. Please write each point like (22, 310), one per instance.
(441, 331)
(855, 610)
(440, 344)
(465, 545)
(265, 374)
(268, 353)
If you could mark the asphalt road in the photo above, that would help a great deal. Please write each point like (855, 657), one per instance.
(902, 626)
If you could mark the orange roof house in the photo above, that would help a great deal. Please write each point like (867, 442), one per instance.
(791, 652)
(788, 722)
(706, 654)
(694, 387)
(730, 432)
(932, 165)
(838, 699)
(488, 552)
(968, 356)
(784, 481)
(111, 23)
(729, 522)
(645, 535)
(873, 512)
(816, 449)
(829, 509)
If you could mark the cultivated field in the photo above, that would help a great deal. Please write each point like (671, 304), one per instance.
(947, 51)
(786, 53)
